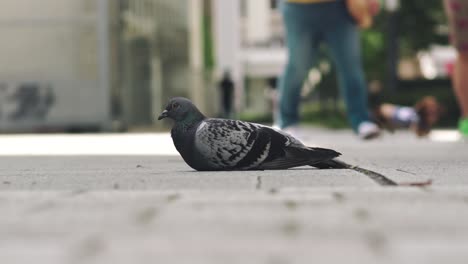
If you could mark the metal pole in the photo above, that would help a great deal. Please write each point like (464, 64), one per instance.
(392, 7)
(103, 61)
(195, 13)
(392, 52)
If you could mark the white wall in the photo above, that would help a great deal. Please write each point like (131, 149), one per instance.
(258, 21)
(55, 42)
(226, 23)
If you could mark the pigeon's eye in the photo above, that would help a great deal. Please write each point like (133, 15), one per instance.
(175, 105)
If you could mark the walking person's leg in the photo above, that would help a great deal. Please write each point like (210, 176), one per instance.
(301, 55)
(344, 44)
(458, 19)
(461, 82)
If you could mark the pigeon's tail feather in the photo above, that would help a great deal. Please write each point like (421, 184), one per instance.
(325, 152)
(313, 154)
(332, 164)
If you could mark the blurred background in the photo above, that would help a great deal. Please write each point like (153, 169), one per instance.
(111, 65)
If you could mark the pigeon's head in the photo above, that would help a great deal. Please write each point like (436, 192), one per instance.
(181, 109)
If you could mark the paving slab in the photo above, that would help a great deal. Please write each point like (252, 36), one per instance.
(150, 173)
(292, 225)
(77, 204)
(401, 156)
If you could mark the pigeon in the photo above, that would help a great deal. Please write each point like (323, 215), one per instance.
(214, 144)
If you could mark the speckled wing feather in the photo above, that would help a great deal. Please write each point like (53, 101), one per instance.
(237, 145)
(225, 143)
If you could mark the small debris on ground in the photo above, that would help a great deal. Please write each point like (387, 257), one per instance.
(291, 205)
(339, 197)
(291, 228)
(417, 184)
(146, 216)
(173, 197)
(273, 191)
(412, 173)
(361, 214)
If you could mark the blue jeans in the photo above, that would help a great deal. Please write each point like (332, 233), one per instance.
(307, 25)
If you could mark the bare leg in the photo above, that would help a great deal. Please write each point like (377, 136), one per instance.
(460, 80)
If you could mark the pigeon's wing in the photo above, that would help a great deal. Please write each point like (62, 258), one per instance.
(296, 154)
(301, 156)
(232, 144)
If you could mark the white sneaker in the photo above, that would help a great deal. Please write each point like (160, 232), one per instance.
(368, 130)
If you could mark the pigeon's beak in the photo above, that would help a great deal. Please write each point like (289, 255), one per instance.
(163, 115)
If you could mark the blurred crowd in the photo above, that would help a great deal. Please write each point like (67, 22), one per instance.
(337, 24)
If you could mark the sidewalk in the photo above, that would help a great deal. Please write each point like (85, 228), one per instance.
(131, 199)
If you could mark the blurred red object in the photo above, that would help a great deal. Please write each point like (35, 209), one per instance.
(449, 68)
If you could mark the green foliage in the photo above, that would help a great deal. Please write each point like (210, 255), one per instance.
(418, 22)
(373, 53)
(208, 56)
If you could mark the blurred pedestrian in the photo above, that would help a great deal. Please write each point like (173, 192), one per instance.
(309, 23)
(457, 12)
(420, 118)
(226, 86)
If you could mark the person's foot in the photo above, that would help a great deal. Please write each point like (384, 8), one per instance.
(368, 130)
(463, 126)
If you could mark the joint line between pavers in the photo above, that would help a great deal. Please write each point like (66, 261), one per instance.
(258, 186)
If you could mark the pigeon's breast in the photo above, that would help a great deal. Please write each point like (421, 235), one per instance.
(184, 142)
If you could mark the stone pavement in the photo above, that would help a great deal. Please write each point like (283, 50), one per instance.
(129, 199)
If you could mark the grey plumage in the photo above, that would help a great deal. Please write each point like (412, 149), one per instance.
(222, 144)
